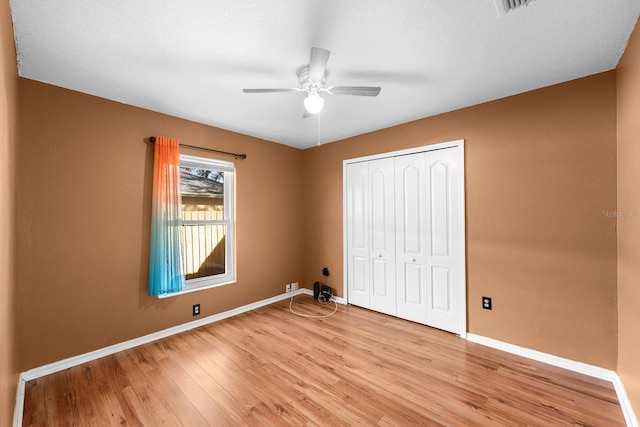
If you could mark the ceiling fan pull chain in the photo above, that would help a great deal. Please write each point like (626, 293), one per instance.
(318, 128)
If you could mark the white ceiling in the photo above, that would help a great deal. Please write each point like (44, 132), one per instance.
(191, 59)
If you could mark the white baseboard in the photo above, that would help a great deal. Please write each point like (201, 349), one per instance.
(17, 412)
(625, 403)
(339, 300)
(572, 365)
(51, 368)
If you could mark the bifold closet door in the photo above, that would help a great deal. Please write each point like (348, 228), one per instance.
(371, 235)
(405, 237)
(445, 239)
(411, 251)
(428, 223)
(383, 236)
(358, 225)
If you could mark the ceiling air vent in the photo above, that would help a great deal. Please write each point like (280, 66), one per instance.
(510, 5)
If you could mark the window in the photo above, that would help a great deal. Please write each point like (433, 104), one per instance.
(206, 188)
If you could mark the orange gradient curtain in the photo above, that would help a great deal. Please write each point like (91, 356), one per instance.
(166, 270)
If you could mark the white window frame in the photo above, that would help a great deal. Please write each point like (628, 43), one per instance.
(229, 276)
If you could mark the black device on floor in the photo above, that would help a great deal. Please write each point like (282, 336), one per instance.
(316, 290)
(325, 294)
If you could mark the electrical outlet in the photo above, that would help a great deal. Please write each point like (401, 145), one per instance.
(486, 303)
(294, 286)
(287, 287)
(196, 309)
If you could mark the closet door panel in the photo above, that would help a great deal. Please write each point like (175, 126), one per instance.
(359, 274)
(410, 237)
(444, 217)
(382, 250)
(413, 295)
(441, 289)
(358, 234)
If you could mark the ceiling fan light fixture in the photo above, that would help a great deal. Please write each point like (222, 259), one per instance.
(312, 78)
(313, 103)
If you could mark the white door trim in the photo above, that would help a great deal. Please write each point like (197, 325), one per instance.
(463, 262)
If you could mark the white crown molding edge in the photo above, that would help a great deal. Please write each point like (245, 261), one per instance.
(572, 365)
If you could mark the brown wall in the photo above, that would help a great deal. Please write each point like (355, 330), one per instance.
(8, 151)
(540, 169)
(85, 181)
(628, 79)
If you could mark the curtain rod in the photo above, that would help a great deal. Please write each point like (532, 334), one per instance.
(152, 139)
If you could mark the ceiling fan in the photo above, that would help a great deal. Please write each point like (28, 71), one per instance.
(313, 77)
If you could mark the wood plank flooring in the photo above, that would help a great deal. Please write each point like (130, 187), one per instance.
(357, 367)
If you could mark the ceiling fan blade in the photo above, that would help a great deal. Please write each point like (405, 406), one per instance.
(403, 77)
(269, 90)
(354, 90)
(318, 63)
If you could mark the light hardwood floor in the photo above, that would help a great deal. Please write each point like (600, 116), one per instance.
(357, 367)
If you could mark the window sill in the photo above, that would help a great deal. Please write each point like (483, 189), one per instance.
(189, 289)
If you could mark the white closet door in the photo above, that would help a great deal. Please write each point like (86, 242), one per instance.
(382, 244)
(411, 251)
(358, 226)
(444, 218)
(404, 224)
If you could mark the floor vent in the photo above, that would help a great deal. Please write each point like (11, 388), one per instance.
(510, 5)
